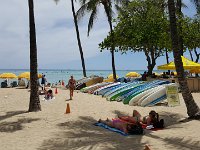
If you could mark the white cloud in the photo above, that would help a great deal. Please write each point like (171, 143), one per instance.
(56, 37)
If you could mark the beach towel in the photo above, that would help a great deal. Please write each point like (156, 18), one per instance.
(110, 128)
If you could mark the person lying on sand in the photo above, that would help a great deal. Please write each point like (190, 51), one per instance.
(126, 127)
(151, 119)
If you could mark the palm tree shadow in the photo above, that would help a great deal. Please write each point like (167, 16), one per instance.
(15, 126)
(82, 134)
(11, 114)
(178, 143)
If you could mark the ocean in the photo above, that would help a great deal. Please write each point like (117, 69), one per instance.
(53, 75)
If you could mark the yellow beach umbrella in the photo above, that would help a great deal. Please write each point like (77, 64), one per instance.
(27, 75)
(8, 76)
(132, 74)
(111, 76)
(109, 80)
(187, 64)
(195, 71)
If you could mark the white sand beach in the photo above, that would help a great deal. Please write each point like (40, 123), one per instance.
(52, 129)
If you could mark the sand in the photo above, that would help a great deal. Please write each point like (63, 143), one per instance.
(52, 129)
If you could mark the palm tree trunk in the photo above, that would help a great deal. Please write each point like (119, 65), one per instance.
(113, 52)
(197, 55)
(167, 58)
(34, 104)
(78, 39)
(106, 5)
(192, 108)
(191, 55)
(180, 38)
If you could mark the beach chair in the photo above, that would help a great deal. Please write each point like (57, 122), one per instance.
(14, 84)
(21, 83)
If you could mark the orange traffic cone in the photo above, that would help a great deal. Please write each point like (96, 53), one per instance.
(56, 91)
(67, 109)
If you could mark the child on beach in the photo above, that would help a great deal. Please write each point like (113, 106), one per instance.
(48, 95)
(72, 86)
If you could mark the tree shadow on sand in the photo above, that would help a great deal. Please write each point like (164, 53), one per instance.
(16, 125)
(178, 143)
(82, 134)
(11, 114)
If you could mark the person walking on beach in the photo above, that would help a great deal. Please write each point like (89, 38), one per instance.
(43, 82)
(72, 86)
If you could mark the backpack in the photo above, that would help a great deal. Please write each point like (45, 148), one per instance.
(159, 124)
(136, 129)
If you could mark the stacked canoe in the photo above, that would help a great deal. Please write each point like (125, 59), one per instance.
(132, 93)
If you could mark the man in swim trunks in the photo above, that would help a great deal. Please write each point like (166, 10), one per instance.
(72, 86)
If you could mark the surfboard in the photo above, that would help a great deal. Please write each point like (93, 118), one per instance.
(157, 93)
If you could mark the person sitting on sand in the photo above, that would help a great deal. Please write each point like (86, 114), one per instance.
(144, 76)
(126, 127)
(72, 86)
(48, 94)
(151, 119)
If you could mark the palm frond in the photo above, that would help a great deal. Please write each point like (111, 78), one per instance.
(93, 16)
(81, 12)
(197, 4)
(56, 1)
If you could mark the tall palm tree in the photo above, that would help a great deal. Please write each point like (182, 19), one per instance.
(192, 108)
(34, 104)
(92, 6)
(197, 4)
(180, 15)
(78, 37)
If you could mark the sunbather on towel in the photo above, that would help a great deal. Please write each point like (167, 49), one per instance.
(119, 124)
(151, 119)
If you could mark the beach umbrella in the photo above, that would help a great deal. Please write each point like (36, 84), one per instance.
(187, 65)
(132, 74)
(109, 80)
(8, 76)
(27, 75)
(195, 71)
(111, 76)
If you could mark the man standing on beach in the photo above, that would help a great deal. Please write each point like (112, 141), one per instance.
(43, 82)
(72, 86)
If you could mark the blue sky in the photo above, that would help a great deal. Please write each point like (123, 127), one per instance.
(56, 38)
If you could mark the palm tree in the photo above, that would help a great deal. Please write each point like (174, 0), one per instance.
(180, 15)
(192, 108)
(92, 7)
(197, 4)
(78, 37)
(34, 104)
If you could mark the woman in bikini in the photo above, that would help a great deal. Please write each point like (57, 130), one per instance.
(119, 124)
(72, 86)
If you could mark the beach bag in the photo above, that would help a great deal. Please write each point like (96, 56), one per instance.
(159, 124)
(137, 129)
